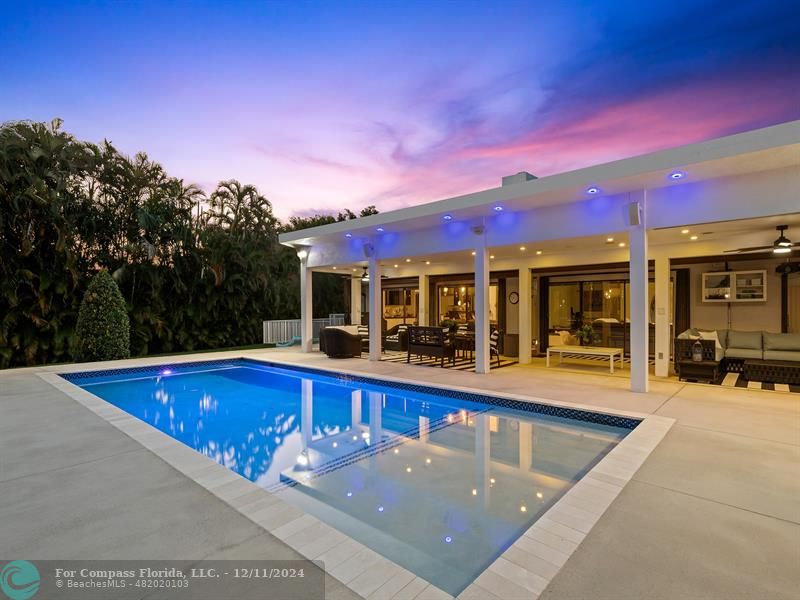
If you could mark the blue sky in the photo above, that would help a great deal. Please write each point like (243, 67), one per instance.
(326, 105)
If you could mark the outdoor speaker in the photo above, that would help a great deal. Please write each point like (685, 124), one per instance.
(634, 214)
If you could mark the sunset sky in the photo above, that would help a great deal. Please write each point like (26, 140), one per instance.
(345, 104)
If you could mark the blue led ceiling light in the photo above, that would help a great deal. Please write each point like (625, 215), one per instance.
(677, 175)
(448, 217)
(498, 208)
(593, 190)
(348, 235)
(380, 229)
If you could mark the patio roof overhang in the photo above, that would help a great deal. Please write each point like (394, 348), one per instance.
(748, 175)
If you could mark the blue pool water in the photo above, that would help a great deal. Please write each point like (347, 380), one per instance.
(440, 482)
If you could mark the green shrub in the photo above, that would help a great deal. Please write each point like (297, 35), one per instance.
(103, 331)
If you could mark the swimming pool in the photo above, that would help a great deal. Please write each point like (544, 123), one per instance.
(439, 481)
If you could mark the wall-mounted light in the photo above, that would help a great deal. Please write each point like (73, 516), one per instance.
(302, 254)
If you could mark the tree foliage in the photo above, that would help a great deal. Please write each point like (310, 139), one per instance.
(103, 331)
(195, 271)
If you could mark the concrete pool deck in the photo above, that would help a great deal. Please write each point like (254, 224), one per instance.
(714, 512)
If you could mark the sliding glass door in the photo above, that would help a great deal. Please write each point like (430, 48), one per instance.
(400, 306)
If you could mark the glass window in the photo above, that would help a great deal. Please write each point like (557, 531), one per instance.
(400, 305)
(456, 302)
(565, 304)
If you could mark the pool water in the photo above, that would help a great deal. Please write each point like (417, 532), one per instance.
(433, 480)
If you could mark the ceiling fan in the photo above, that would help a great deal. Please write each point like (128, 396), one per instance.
(782, 245)
(365, 275)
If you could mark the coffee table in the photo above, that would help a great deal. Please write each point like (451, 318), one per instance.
(610, 353)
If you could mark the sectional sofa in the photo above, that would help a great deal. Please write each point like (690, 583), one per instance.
(761, 355)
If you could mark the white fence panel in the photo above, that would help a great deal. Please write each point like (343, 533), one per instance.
(286, 330)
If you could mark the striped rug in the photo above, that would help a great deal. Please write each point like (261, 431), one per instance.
(461, 364)
(738, 380)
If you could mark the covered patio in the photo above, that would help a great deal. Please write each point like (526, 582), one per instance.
(619, 244)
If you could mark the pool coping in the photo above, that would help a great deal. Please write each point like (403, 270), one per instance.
(522, 571)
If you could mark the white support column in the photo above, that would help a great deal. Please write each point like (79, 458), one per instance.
(355, 300)
(422, 311)
(375, 309)
(640, 313)
(482, 357)
(663, 334)
(524, 308)
(306, 305)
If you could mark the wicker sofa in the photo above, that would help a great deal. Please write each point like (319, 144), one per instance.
(341, 341)
(396, 338)
(762, 355)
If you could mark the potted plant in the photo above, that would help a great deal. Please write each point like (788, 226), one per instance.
(451, 324)
(586, 335)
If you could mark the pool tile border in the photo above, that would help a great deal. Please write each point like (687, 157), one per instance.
(523, 571)
(473, 396)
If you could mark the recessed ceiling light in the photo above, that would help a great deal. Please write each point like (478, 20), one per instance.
(427, 262)
(538, 252)
(448, 217)
(522, 248)
(334, 268)
(348, 235)
(473, 253)
(491, 257)
(694, 237)
(610, 240)
(396, 266)
(380, 229)
(621, 244)
(684, 231)
(498, 208)
(592, 190)
(408, 260)
(677, 175)
(354, 270)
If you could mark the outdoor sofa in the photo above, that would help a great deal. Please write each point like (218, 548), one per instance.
(436, 342)
(396, 338)
(760, 355)
(344, 341)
